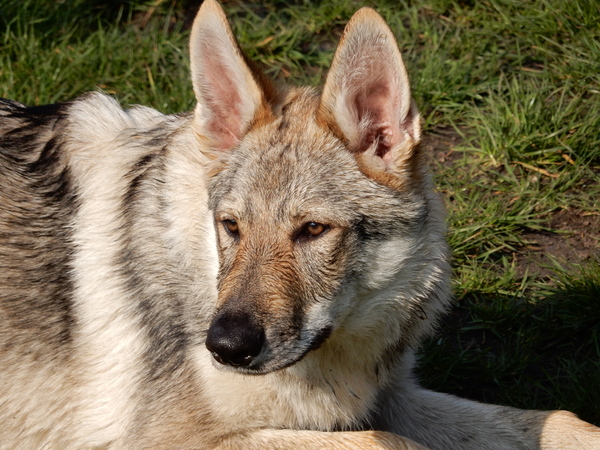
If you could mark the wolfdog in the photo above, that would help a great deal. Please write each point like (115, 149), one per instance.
(255, 274)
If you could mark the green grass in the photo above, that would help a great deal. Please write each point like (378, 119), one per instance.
(56, 56)
(517, 81)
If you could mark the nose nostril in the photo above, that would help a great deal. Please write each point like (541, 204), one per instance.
(234, 339)
(239, 360)
(217, 357)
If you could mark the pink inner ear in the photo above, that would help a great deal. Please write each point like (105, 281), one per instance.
(377, 116)
(223, 100)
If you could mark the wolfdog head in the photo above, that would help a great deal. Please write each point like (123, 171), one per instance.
(327, 226)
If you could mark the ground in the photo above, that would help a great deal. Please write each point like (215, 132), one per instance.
(571, 236)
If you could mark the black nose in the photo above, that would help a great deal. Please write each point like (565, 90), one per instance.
(234, 339)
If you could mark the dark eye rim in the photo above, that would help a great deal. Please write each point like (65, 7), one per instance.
(303, 234)
(231, 226)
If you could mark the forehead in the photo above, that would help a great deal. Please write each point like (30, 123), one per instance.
(290, 167)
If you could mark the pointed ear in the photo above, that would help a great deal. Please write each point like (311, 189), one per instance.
(366, 97)
(230, 95)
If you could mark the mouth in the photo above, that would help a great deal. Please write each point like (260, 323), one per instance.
(242, 356)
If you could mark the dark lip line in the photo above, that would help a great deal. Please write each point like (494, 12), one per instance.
(316, 343)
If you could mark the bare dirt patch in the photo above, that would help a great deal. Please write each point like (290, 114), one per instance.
(575, 238)
(440, 144)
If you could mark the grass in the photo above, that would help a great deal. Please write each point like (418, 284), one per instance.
(517, 86)
(529, 354)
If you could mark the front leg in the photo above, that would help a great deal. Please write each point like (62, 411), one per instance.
(442, 421)
(309, 440)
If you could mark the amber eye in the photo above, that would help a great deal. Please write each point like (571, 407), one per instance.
(314, 228)
(231, 226)
(311, 230)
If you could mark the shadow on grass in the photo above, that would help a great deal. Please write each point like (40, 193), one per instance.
(53, 16)
(542, 354)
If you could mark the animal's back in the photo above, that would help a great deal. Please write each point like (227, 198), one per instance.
(67, 172)
(37, 204)
(36, 207)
